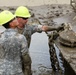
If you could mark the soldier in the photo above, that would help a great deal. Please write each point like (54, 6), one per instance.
(12, 45)
(22, 14)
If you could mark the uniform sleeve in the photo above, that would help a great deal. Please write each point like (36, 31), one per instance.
(24, 46)
(36, 28)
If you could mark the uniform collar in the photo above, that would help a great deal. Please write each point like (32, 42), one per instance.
(2, 29)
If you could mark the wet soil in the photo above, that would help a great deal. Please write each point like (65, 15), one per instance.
(45, 13)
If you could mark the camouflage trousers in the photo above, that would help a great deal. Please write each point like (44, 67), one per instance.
(4, 73)
(26, 64)
(18, 74)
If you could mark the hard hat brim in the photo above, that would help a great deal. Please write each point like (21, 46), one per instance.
(8, 20)
(28, 16)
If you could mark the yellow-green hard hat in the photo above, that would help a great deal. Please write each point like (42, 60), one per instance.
(6, 16)
(22, 12)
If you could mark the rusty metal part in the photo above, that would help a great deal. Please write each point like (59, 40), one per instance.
(68, 38)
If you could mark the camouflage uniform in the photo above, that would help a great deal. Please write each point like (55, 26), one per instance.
(27, 32)
(12, 47)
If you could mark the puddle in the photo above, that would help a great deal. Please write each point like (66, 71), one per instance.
(39, 52)
(65, 19)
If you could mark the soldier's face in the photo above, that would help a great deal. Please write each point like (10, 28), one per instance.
(22, 23)
(14, 23)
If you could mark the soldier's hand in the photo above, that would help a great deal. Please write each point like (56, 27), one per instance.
(44, 28)
(60, 28)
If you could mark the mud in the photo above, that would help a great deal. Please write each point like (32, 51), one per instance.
(45, 13)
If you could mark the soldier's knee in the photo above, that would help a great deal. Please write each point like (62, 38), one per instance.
(27, 58)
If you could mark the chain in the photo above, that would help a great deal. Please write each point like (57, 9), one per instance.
(53, 56)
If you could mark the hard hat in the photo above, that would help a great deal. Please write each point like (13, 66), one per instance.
(6, 16)
(22, 12)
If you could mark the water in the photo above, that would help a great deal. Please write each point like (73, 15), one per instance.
(39, 52)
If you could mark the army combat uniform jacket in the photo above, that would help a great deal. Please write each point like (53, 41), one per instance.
(12, 46)
(29, 30)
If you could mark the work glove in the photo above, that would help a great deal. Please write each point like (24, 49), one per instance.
(60, 28)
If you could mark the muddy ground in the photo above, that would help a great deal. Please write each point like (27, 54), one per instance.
(45, 13)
